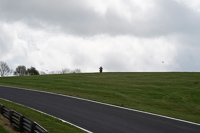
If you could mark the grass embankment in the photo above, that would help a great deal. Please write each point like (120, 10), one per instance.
(174, 94)
(2, 130)
(51, 124)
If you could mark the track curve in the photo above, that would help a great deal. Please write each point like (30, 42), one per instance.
(95, 117)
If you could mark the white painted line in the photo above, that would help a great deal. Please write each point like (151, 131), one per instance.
(51, 116)
(109, 105)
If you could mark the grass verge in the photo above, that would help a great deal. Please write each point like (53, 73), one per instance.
(173, 94)
(51, 124)
(2, 130)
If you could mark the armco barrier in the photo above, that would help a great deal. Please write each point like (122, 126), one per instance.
(20, 122)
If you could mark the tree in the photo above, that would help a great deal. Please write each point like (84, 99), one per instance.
(4, 69)
(20, 71)
(32, 71)
(77, 70)
(42, 73)
(65, 70)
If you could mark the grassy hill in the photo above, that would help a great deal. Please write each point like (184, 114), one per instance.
(174, 94)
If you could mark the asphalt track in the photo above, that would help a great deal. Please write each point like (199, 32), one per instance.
(95, 117)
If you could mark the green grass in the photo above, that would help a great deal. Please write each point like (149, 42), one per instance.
(174, 94)
(51, 124)
(2, 130)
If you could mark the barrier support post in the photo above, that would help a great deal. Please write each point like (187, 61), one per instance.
(32, 127)
(10, 116)
(1, 109)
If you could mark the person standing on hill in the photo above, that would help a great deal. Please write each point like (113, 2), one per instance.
(101, 69)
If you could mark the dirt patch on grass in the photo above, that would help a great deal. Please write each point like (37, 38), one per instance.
(6, 124)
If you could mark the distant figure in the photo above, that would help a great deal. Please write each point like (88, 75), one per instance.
(100, 69)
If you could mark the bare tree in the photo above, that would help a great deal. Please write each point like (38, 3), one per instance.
(54, 72)
(65, 70)
(77, 70)
(42, 73)
(4, 69)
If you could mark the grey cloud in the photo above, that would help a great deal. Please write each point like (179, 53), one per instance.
(72, 15)
(176, 18)
(75, 17)
(6, 43)
(187, 58)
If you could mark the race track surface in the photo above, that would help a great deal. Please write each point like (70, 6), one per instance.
(95, 117)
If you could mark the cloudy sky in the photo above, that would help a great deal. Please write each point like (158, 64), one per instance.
(120, 35)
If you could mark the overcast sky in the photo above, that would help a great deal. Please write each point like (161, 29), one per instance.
(120, 35)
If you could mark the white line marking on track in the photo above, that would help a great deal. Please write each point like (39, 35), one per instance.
(51, 116)
(109, 105)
